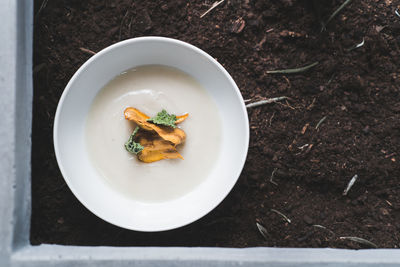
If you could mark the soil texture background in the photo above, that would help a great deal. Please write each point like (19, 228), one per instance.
(352, 95)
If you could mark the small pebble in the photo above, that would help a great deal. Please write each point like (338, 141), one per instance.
(384, 211)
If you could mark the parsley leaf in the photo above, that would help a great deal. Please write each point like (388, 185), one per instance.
(164, 118)
(131, 145)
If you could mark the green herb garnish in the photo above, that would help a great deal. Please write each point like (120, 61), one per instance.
(164, 118)
(131, 145)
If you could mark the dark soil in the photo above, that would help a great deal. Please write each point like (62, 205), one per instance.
(357, 91)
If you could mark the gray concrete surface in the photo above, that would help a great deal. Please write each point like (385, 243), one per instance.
(15, 199)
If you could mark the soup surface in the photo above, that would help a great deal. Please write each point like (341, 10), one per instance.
(151, 89)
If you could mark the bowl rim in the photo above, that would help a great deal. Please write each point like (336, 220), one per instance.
(84, 66)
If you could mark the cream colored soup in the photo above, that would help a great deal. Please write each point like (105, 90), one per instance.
(151, 89)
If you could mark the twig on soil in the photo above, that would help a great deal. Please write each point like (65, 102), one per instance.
(272, 177)
(309, 148)
(303, 146)
(262, 231)
(320, 122)
(291, 71)
(303, 131)
(311, 105)
(397, 12)
(270, 120)
(42, 6)
(345, 3)
(120, 26)
(259, 45)
(266, 101)
(330, 80)
(389, 203)
(323, 227)
(319, 226)
(356, 46)
(130, 25)
(350, 184)
(287, 80)
(283, 215)
(247, 100)
(286, 105)
(359, 240)
(212, 7)
(88, 51)
(390, 155)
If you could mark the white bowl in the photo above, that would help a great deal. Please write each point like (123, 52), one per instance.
(83, 179)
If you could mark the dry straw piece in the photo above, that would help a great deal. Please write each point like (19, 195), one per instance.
(292, 71)
(283, 215)
(350, 184)
(212, 7)
(262, 230)
(265, 101)
(359, 240)
(345, 3)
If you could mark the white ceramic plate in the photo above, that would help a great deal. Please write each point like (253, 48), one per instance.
(83, 179)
